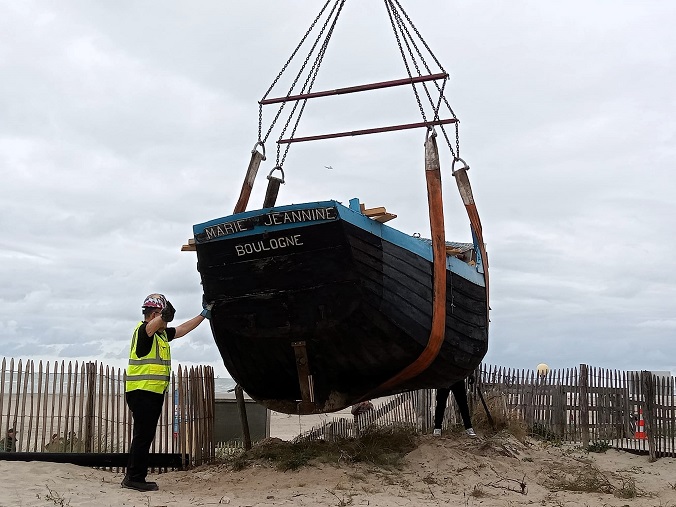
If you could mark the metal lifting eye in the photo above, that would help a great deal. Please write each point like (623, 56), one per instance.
(464, 165)
(259, 143)
(273, 188)
(270, 176)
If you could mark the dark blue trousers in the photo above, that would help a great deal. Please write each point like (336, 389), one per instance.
(460, 395)
(146, 408)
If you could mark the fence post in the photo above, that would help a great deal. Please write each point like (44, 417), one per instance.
(89, 411)
(628, 431)
(530, 398)
(559, 410)
(648, 385)
(584, 404)
(421, 407)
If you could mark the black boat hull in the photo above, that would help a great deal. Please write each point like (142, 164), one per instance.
(358, 305)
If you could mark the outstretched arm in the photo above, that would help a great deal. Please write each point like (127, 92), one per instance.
(187, 326)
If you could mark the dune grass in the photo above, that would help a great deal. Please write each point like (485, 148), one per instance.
(383, 447)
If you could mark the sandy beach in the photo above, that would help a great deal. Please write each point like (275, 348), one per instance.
(490, 471)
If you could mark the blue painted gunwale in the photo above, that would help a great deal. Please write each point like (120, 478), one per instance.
(356, 218)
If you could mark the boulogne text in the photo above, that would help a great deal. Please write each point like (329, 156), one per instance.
(268, 244)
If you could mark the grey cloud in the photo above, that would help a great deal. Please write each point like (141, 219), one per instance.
(124, 125)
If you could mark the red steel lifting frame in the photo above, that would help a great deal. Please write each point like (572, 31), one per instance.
(368, 131)
(359, 88)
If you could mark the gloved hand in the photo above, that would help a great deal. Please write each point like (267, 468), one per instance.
(168, 312)
(206, 313)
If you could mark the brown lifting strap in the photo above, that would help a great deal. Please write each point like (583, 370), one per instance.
(256, 158)
(465, 189)
(438, 329)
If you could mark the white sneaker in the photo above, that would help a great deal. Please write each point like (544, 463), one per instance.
(470, 432)
(437, 432)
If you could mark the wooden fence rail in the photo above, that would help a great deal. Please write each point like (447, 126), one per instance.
(65, 408)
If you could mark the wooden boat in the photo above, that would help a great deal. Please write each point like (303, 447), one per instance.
(318, 306)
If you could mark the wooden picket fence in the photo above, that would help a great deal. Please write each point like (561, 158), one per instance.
(630, 410)
(414, 409)
(65, 408)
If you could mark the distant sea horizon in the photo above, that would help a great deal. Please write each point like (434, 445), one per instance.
(223, 385)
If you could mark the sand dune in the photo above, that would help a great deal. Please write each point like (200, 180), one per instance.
(448, 470)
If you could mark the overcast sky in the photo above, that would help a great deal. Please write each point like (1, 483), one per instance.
(124, 123)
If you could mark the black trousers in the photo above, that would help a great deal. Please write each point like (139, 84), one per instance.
(460, 394)
(146, 408)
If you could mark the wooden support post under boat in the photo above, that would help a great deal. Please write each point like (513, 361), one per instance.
(244, 420)
(256, 158)
(304, 378)
(438, 327)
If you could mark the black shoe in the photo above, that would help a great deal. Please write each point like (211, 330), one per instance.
(139, 486)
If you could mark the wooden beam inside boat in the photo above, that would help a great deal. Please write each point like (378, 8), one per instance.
(385, 217)
(371, 212)
(378, 214)
(190, 246)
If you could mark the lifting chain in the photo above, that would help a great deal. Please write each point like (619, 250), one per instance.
(398, 12)
(405, 37)
(284, 67)
(309, 81)
(388, 6)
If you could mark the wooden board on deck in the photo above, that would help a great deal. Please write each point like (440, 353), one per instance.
(190, 246)
(378, 214)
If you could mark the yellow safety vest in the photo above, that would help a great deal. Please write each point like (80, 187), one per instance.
(151, 372)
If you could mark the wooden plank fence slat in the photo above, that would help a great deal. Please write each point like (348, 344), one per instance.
(46, 437)
(167, 407)
(8, 423)
(126, 417)
(17, 394)
(672, 417)
(182, 389)
(66, 429)
(31, 408)
(3, 427)
(76, 441)
(99, 403)
(118, 405)
(37, 409)
(61, 376)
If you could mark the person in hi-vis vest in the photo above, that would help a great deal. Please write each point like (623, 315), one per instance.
(148, 375)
